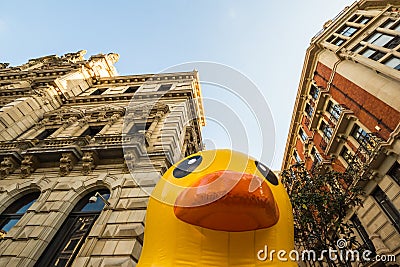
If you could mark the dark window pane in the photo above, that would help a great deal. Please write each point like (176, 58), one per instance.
(92, 130)
(357, 48)
(131, 89)
(387, 24)
(393, 43)
(314, 91)
(99, 91)
(380, 39)
(13, 213)
(296, 156)
(46, 133)
(387, 206)
(368, 52)
(303, 136)
(346, 155)
(69, 239)
(393, 62)
(363, 233)
(353, 18)
(338, 41)
(348, 31)
(360, 135)
(309, 110)
(165, 87)
(394, 172)
(377, 55)
(363, 20)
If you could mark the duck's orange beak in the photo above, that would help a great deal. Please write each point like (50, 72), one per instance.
(228, 201)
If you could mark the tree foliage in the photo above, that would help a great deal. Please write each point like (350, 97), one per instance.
(321, 199)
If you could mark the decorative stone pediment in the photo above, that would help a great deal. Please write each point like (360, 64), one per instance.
(108, 108)
(64, 114)
(16, 85)
(146, 110)
(74, 57)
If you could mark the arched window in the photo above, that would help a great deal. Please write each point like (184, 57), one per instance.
(15, 211)
(66, 244)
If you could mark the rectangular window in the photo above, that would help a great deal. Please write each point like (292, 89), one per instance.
(326, 130)
(387, 24)
(394, 172)
(46, 133)
(316, 155)
(360, 135)
(296, 156)
(338, 41)
(393, 43)
(397, 27)
(363, 20)
(92, 131)
(393, 62)
(353, 18)
(131, 89)
(314, 91)
(387, 206)
(334, 109)
(357, 48)
(99, 91)
(309, 110)
(380, 39)
(373, 54)
(346, 155)
(348, 31)
(303, 135)
(165, 87)
(363, 233)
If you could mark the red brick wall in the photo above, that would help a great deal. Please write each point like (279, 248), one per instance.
(323, 75)
(370, 110)
(300, 148)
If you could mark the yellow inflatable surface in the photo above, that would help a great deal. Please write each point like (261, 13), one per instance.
(218, 208)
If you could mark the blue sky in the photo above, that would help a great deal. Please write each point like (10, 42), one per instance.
(263, 40)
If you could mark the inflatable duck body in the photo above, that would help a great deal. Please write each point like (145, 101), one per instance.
(218, 208)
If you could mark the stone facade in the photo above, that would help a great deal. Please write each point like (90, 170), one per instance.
(347, 114)
(70, 127)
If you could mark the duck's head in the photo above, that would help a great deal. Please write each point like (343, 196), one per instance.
(222, 190)
(217, 208)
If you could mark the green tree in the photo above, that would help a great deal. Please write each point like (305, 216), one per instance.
(321, 199)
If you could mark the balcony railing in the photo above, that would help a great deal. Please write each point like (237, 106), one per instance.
(17, 145)
(63, 142)
(365, 154)
(119, 139)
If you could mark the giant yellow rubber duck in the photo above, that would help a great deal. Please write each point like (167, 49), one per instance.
(218, 208)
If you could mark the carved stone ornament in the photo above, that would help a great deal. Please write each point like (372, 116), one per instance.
(130, 161)
(88, 162)
(28, 165)
(7, 166)
(66, 163)
(4, 65)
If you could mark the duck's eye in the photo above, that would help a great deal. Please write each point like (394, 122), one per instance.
(267, 173)
(187, 166)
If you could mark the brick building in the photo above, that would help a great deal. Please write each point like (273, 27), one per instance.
(347, 113)
(72, 150)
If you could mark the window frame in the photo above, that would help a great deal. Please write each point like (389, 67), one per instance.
(387, 207)
(12, 211)
(56, 248)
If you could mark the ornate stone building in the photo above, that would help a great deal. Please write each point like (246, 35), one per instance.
(80, 148)
(347, 113)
